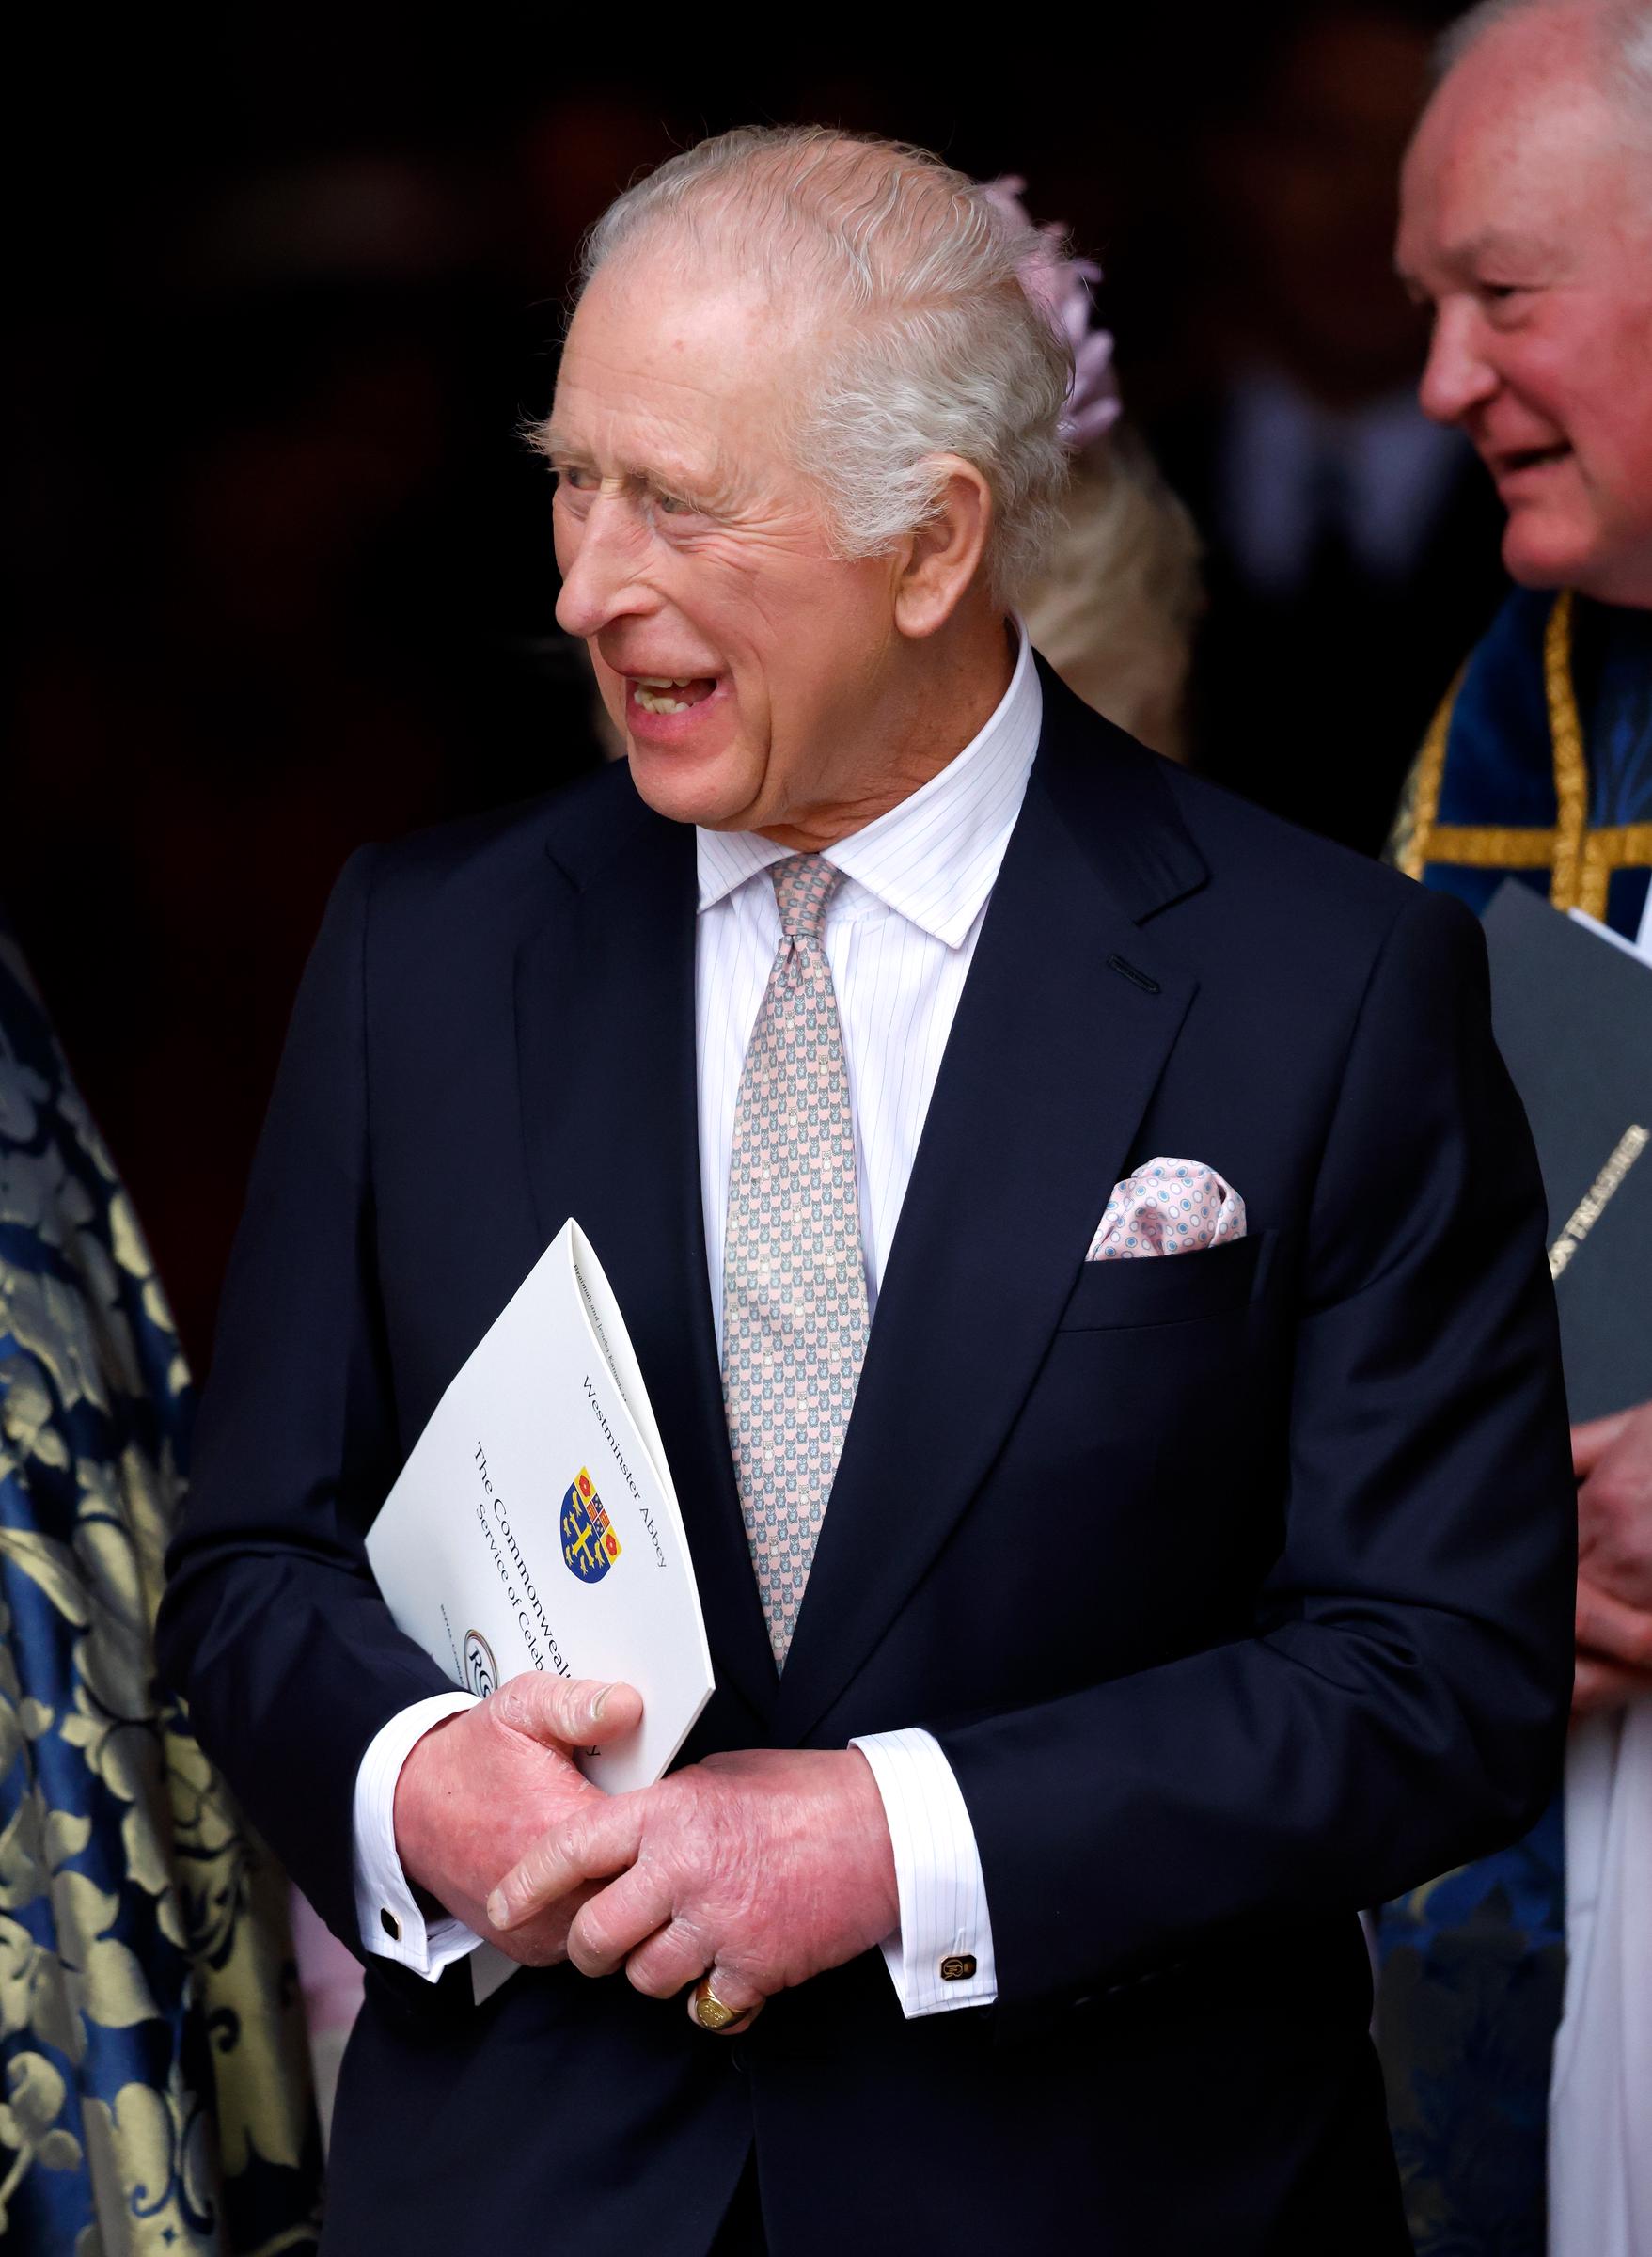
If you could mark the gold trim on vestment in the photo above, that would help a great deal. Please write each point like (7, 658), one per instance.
(1571, 773)
(1580, 860)
(1487, 844)
(1409, 846)
(1604, 851)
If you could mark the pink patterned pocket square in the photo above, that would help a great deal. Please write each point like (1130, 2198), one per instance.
(1168, 1207)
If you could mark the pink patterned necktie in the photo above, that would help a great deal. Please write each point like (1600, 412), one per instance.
(794, 1308)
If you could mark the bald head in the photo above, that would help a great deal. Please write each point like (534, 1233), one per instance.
(1613, 40)
(1526, 226)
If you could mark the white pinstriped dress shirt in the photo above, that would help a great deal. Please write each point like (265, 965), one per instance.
(900, 935)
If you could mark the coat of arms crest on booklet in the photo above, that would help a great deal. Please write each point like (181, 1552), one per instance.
(589, 1545)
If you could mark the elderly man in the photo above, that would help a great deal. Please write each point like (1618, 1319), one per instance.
(1527, 228)
(1092, 1634)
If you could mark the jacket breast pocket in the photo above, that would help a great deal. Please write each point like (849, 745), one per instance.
(1168, 1288)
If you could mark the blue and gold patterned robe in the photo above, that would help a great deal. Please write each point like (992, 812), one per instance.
(156, 2095)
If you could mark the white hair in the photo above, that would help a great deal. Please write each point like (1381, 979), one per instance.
(936, 346)
(1622, 40)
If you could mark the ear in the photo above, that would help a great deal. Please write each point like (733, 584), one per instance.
(937, 563)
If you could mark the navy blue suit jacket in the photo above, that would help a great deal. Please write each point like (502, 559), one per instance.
(1237, 1588)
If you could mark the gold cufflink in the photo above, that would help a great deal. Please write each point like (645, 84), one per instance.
(959, 1968)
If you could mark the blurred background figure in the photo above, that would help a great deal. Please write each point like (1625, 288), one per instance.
(1351, 545)
(1116, 611)
(152, 2047)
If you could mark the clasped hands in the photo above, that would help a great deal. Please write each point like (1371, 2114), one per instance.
(762, 1867)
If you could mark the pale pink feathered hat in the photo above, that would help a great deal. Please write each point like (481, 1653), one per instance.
(1061, 286)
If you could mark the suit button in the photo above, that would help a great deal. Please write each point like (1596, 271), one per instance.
(390, 1924)
(959, 1967)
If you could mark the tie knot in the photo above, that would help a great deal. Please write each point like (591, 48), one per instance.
(803, 888)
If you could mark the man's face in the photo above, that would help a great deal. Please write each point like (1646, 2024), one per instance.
(694, 554)
(1526, 224)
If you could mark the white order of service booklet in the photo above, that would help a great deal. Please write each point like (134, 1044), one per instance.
(534, 1526)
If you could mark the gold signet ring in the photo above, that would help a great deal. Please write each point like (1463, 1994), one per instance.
(709, 2010)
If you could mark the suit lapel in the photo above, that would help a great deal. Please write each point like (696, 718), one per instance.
(604, 1019)
(1053, 1056)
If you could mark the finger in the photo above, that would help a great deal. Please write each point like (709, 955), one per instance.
(1591, 1441)
(1598, 1684)
(620, 1918)
(1610, 1630)
(563, 1712)
(596, 1842)
(541, 1943)
(742, 2000)
(678, 1954)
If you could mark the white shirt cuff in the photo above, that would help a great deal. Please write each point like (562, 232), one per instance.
(942, 1957)
(387, 1917)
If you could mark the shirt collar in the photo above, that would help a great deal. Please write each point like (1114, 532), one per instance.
(934, 858)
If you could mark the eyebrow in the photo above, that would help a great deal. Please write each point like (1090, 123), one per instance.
(1497, 243)
(1489, 242)
(714, 491)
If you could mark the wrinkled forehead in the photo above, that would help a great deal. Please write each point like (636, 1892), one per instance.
(1507, 160)
(688, 348)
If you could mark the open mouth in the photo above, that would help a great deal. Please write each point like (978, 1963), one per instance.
(668, 693)
(1529, 458)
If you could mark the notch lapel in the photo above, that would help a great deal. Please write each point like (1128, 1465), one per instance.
(1052, 1059)
(606, 1040)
